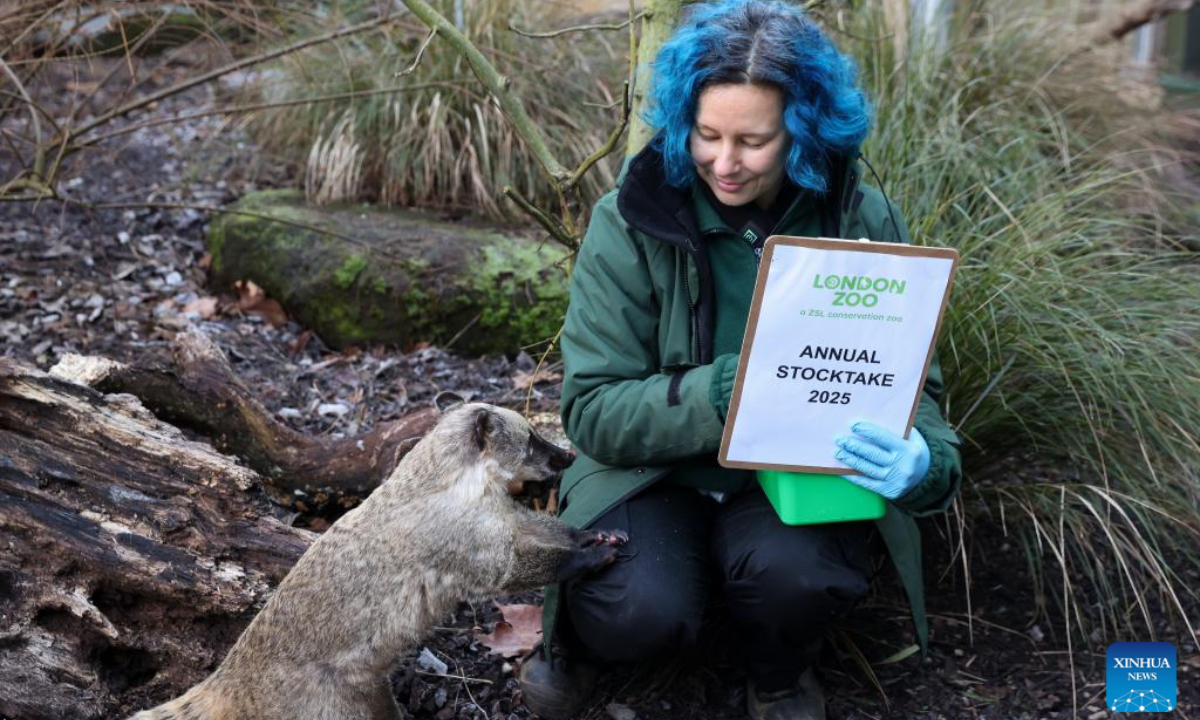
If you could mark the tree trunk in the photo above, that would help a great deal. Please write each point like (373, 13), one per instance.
(660, 20)
(133, 557)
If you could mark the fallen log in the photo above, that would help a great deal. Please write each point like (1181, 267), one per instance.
(197, 389)
(132, 557)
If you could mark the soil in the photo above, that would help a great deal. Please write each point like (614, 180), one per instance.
(123, 282)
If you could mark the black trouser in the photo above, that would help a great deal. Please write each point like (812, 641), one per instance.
(781, 585)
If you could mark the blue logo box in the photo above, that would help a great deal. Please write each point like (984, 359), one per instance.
(1141, 677)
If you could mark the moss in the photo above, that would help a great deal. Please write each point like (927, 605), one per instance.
(345, 275)
(403, 279)
(523, 295)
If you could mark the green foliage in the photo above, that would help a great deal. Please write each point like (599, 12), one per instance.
(445, 144)
(1070, 345)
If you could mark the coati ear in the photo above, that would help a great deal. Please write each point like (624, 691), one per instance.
(483, 426)
(447, 400)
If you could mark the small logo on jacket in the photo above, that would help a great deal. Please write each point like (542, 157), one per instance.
(1141, 677)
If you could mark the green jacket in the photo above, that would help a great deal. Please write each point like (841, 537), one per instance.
(642, 391)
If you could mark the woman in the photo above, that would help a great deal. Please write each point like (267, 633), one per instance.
(758, 126)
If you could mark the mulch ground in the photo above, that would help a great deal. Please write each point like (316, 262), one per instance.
(124, 282)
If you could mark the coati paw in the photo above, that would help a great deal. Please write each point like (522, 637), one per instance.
(586, 560)
(614, 538)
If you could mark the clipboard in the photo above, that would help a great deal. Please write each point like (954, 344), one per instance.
(854, 343)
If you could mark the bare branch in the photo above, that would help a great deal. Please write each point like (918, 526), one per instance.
(141, 40)
(497, 84)
(232, 67)
(31, 27)
(609, 144)
(420, 51)
(39, 157)
(553, 226)
(255, 107)
(541, 361)
(576, 28)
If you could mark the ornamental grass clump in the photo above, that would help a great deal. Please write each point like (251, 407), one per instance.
(443, 143)
(1070, 344)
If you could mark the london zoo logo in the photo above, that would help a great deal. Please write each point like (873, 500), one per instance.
(1141, 677)
(858, 290)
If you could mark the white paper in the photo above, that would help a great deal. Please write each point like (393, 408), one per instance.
(880, 336)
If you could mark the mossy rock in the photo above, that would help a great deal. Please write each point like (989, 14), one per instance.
(390, 276)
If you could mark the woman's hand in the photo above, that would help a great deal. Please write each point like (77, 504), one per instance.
(890, 465)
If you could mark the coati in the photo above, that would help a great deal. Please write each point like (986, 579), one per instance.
(441, 528)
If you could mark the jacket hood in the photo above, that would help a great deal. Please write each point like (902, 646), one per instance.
(651, 205)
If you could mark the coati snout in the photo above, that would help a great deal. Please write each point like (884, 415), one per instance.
(502, 436)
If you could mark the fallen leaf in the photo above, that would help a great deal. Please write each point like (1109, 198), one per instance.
(517, 634)
(297, 344)
(522, 380)
(252, 299)
(205, 307)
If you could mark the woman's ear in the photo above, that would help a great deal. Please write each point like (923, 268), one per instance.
(447, 400)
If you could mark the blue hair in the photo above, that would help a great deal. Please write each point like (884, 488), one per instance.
(763, 42)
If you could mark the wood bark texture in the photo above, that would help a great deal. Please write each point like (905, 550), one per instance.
(132, 557)
(197, 389)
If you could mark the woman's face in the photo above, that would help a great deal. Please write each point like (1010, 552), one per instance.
(739, 142)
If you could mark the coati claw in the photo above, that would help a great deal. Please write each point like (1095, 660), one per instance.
(615, 538)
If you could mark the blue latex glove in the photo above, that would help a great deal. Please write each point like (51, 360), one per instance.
(890, 465)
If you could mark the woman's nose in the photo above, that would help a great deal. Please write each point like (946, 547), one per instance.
(727, 161)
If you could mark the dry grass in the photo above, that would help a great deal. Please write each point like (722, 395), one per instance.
(442, 143)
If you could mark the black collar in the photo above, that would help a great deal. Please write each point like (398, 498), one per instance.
(649, 204)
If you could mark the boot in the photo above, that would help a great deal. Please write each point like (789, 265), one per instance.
(804, 701)
(559, 691)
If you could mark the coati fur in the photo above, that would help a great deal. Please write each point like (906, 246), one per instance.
(440, 529)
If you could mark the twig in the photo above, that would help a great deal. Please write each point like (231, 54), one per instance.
(234, 109)
(575, 28)
(541, 361)
(8, 139)
(468, 326)
(227, 69)
(608, 146)
(555, 227)
(420, 52)
(46, 115)
(39, 153)
(44, 192)
(129, 51)
(463, 678)
(497, 84)
(31, 27)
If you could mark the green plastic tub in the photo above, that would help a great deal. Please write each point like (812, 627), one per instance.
(811, 498)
